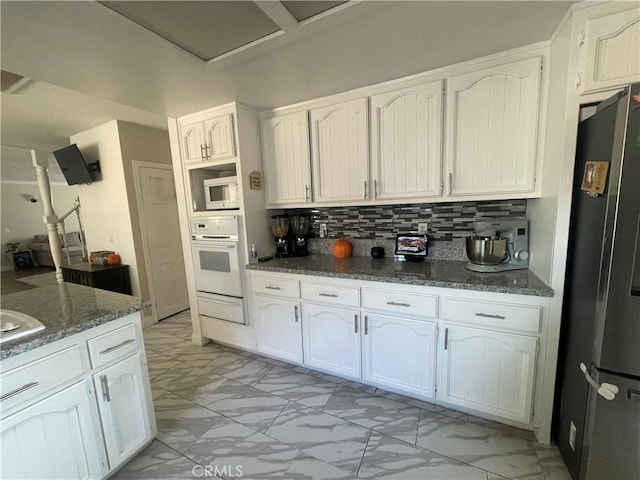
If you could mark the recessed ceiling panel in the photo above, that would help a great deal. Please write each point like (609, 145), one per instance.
(303, 10)
(205, 29)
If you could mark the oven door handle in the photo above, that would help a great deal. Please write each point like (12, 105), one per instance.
(213, 246)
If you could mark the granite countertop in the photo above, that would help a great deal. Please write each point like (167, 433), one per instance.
(65, 309)
(431, 273)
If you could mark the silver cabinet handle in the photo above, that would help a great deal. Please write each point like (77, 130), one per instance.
(295, 313)
(355, 322)
(306, 194)
(115, 347)
(366, 325)
(332, 295)
(446, 338)
(365, 189)
(399, 304)
(18, 391)
(269, 287)
(203, 153)
(450, 183)
(375, 189)
(489, 315)
(206, 150)
(104, 383)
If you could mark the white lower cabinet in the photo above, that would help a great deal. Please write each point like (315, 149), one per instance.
(278, 329)
(120, 391)
(488, 371)
(399, 354)
(331, 339)
(53, 438)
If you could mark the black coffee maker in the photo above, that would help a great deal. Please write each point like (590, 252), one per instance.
(300, 228)
(280, 230)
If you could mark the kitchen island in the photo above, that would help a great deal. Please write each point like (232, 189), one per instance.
(75, 398)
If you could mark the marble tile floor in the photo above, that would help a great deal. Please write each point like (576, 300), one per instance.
(234, 412)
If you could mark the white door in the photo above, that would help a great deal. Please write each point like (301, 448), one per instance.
(488, 371)
(406, 143)
(54, 438)
(163, 247)
(331, 339)
(613, 50)
(278, 328)
(192, 140)
(340, 152)
(219, 137)
(492, 126)
(285, 150)
(399, 353)
(123, 409)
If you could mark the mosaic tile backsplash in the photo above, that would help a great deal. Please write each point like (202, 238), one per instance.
(447, 221)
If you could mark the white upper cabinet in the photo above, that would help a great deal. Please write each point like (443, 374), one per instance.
(406, 152)
(285, 151)
(208, 140)
(492, 125)
(340, 152)
(613, 50)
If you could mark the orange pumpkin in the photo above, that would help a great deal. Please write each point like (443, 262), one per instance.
(342, 248)
(113, 259)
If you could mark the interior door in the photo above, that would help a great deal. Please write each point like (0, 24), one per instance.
(159, 216)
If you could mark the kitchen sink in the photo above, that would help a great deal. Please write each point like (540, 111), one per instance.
(15, 325)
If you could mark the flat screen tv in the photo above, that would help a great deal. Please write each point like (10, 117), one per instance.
(74, 167)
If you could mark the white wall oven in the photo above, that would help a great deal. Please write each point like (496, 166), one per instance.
(217, 267)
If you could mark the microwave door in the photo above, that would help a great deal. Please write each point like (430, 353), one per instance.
(217, 269)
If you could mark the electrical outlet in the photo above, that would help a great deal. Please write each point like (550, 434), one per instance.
(422, 228)
(572, 436)
(323, 230)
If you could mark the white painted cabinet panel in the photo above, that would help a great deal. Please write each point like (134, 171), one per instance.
(406, 151)
(279, 332)
(193, 143)
(123, 409)
(399, 353)
(285, 150)
(492, 125)
(54, 438)
(613, 50)
(331, 339)
(489, 371)
(340, 152)
(219, 137)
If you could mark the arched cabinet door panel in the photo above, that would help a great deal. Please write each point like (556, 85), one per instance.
(279, 331)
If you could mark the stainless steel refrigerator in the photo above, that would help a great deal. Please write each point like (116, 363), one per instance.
(597, 421)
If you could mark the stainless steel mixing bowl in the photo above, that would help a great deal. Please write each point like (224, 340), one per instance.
(486, 250)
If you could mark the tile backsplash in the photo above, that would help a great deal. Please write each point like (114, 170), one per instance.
(447, 221)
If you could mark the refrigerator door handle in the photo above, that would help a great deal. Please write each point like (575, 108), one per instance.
(607, 391)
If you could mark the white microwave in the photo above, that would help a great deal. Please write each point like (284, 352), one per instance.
(221, 193)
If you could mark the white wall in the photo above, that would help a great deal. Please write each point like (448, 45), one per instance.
(105, 205)
(22, 219)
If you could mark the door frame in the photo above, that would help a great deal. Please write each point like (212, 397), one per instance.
(137, 165)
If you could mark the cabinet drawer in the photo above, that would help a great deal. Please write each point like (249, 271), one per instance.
(113, 345)
(489, 314)
(19, 385)
(403, 303)
(280, 287)
(333, 294)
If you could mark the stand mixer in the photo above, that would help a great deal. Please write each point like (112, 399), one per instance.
(498, 245)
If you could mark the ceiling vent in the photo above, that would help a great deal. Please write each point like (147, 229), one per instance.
(12, 82)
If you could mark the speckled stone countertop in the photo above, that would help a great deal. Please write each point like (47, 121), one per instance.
(65, 309)
(431, 273)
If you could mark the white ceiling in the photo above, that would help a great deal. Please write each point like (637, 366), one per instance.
(92, 65)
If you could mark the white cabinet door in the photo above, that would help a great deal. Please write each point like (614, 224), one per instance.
(123, 408)
(278, 329)
(613, 50)
(406, 144)
(340, 152)
(54, 438)
(285, 153)
(219, 137)
(331, 339)
(193, 143)
(399, 353)
(488, 371)
(492, 125)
